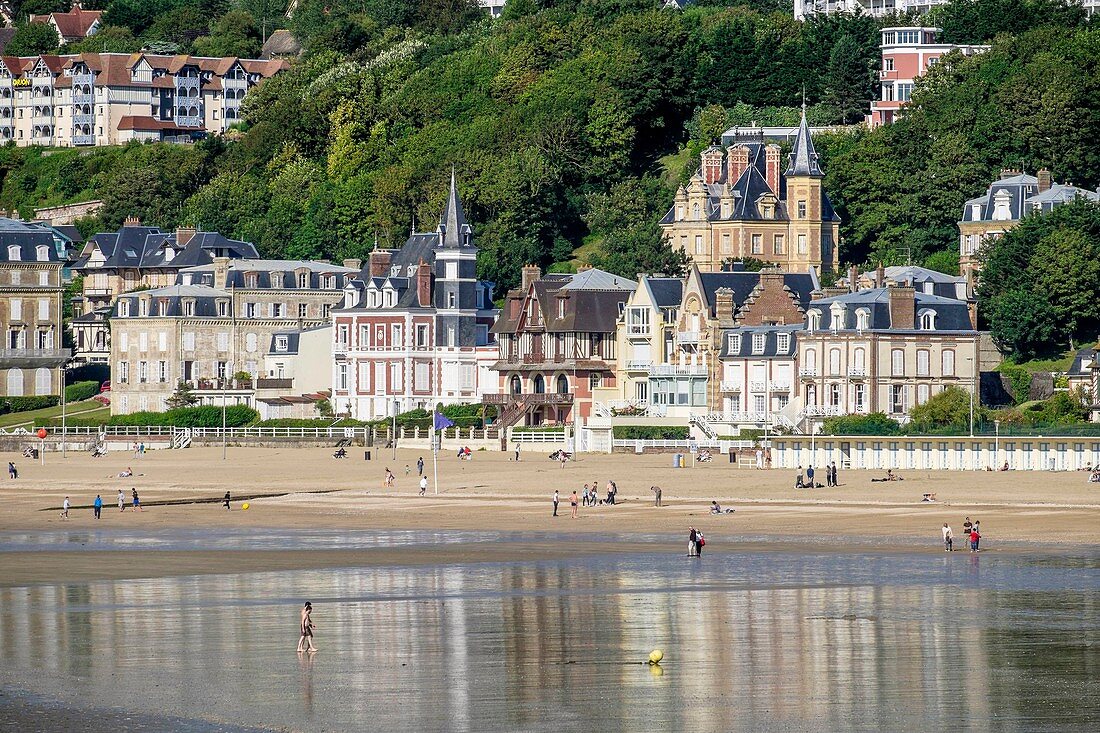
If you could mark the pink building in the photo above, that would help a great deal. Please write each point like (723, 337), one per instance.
(906, 54)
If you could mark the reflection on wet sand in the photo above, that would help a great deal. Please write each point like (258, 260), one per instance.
(764, 641)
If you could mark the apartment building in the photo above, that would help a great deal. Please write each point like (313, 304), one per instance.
(31, 302)
(217, 321)
(739, 205)
(413, 329)
(879, 8)
(113, 98)
(907, 53)
(136, 256)
(558, 338)
(1007, 200)
(887, 349)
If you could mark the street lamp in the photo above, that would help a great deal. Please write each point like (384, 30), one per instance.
(996, 444)
(393, 433)
(225, 399)
(973, 389)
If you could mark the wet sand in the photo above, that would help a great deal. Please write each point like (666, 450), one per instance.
(491, 493)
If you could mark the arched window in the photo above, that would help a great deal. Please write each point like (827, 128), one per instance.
(15, 383)
(13, 253)
(949, 363)
(563, 384)
(863, 319)
(859, 359)
(837, 310)
(928, 320)
(42, 381)
(811, 360)
(695, 211)
(540, 384)
(42, 252)
(811, 395)
(834, 362)
(813, 320)
(516, 385)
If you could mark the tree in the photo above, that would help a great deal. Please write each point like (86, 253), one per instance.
(1022, 323)
(947, 409)
(32, 39)
(846, 80)
(182, 397)
(233, 34)
(1067, 273)
(110, 39)
(945, 261)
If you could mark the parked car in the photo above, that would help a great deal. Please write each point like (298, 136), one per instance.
(105, 387)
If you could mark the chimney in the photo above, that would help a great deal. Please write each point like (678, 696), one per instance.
(380, 262)
(531, 273)
(132, 221)
(423, 283)
(1044, 179)
(880, 275)
(1008, 173)
(853, 279)
(972, 308)
(712, 164)
(184, 235)
(903, 307)
(723, 307)
(771, 167)
(738, 162)
(834, 291)
(221, 271)
(353, 264)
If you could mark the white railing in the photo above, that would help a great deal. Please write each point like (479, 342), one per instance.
(731, 387)
(539, 436)
(757, 386)
(735, 418)
(807, 373)
(638, 366)
(857, 372)
(637, 329)
(780, 387)
(678, 370)
(687, 337)
(822, 411)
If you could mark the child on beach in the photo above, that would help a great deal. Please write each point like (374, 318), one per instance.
(389, 482)
(573, 505)
(121, 501)
(305, 642)
(65, 508)
(137, 501)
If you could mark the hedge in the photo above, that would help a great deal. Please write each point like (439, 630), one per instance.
(81, 391)
(876, 423)
(305, 422)
(23, 404)
(650, 432)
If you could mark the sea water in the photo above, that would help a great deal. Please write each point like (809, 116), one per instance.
(790, 640)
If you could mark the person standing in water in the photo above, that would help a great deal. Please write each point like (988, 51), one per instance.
(305, 642)
(572, 505)
(692, 537)
(948, 538)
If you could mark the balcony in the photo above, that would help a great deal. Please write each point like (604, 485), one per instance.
(638, 330)
(823, 411)
(33, 357)
(639, 366)
(757, 386)
(677, 370)
(780, 386)
(83, 139)
(687, 337)
(730, 387)
(807, 373)
(857, 373)
(530, 398)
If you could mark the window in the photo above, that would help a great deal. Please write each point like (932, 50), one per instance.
(834, 395)
(124, 342)
(395, 335)
(123, 308)
(897, 398)
(42, 253)
(188, 307)
(922, 362)
(802, 209)
(223, 308)
(922, 393)
(303, 310)
(43, 278)
(975, 212)
(43, 309)
(303, 280)
(861, 397)
(949, 363)
(811, 361)
(782, 343)
(342, 336)
(778, 245)
(14, 253)
(758, 342)
(16, 306)
(904, 92)
(928, 320)
(699, 244)
(888, 64)
(421, 335)
(561, 307)
(124, 371)
(813, 320)
(16, 277)
(143, 341)
(452, 300)
(282, 343)
(162, 371)
(189, 341)
(859, 360)
(802, 244)
(757, 244)
(595, 380)
(897, 362)
(326, 309)
(249, 310)
(395, 376)
(451, 271)
(422, 375)
(735, 343)
(220, 369)
(727, 248)
(834, 362)
(143, 372)
(863, 319)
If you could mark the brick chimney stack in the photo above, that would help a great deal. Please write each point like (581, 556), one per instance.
(853, 279)
(1044, 179)
(711, 159)
(531, 273)
(132, 221)
(723, 307)
(903, 307)
(771, 167)
(380, 262)
(184, 235)
(353, 264)
(423, 283)
(737, 163)
(221, 271)
(880, 276)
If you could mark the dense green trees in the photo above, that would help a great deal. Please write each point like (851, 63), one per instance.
(31, 39)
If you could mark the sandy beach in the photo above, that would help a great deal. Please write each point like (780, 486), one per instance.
(493, 493)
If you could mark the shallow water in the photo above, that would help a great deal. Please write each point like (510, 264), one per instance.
(755, 641)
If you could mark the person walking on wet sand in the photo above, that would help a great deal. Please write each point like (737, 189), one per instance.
(420, 466)
(692, 536)
(97, 506)
(137, 501)
(573, 505)
(305, 643)
(65, 508)
(656, 495)
(555, 503)
(948, 538)
(121, 501)
(226, 500)
(975, 537)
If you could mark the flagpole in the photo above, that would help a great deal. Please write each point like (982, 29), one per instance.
(435, 462)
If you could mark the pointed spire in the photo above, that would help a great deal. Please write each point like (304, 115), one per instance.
(453, 229)
(803, 160)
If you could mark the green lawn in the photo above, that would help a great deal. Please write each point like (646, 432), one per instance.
(86, 409)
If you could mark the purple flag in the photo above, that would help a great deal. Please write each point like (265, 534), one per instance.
(440, 422)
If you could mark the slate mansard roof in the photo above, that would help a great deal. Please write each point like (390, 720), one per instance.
(1021, 193)
(952, 315)
(136, 247)
(26, 244)
(236, 271)
(172, 297)
(771, 342)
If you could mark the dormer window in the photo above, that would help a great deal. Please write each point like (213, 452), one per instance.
(863, 319)
(782, 343)
(759, 341)
(836, 310)
(13, 253)
(349, 298)
(928, 320)
(735, 343)
(303, 280)
(561, 307)
(189, 307)
(389, 297)
(813, 320)
(281, 343)
(251, 280)
(1002, 210)
(42, 252)
(276, 279)
(223, 308)
(124, 308)
(695, 211)
(143, 306)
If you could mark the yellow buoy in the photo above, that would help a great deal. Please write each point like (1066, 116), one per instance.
(245, 505)
(656, 656)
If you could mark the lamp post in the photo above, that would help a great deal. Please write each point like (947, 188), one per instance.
(61, 369)
(973, 389)
(393, 434)
(225, 398)
(996, 443)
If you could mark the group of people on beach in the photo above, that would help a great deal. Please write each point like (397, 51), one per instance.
(809, 482)
(97, 505)
(589, 496)
(972, 533)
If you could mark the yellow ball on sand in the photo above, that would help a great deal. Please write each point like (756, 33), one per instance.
(656, 656)
(245, 505)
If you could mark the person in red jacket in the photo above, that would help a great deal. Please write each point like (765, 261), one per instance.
(975, 535)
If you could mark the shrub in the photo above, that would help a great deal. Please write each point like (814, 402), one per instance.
(650, 432)
(877, 423)
(23, 404)
(1019, 381)
(81, 391)
(207, 416)
(949, 408)
(302, 422)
